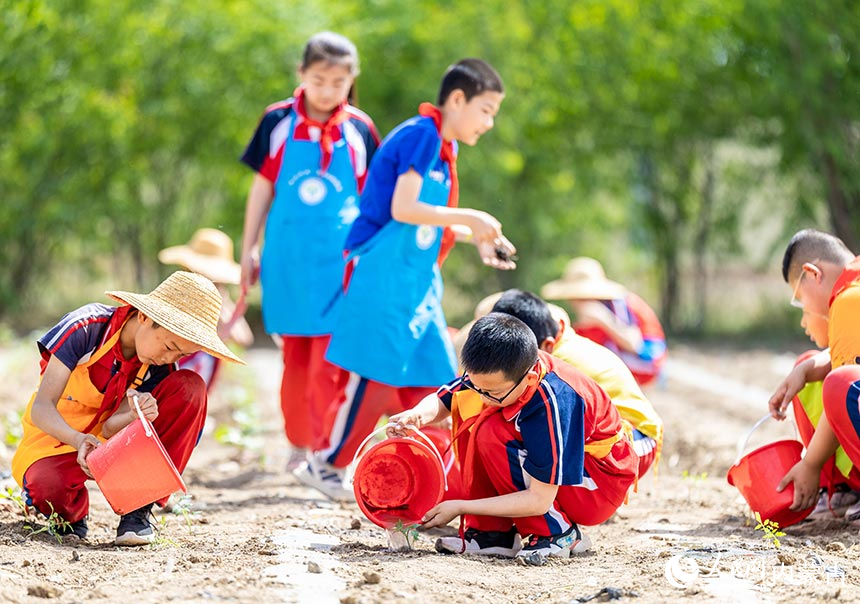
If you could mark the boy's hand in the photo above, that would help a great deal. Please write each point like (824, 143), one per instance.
(85, 446)
(401, 420)
(786, 391)
(148, 404)
(498, 253)
(442, 514)
(806, 479)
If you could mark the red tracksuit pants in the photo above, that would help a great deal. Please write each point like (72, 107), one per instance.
(497, 471)
(59, 481)
(309, 385)
(356, 416)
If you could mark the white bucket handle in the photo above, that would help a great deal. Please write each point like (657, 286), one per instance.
(414, 429)
(143, 420)
(742, 442)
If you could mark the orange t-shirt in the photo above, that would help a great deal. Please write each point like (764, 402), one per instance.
(844, 324)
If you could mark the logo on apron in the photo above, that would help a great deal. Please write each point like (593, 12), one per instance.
(312, 191)
(425, 236)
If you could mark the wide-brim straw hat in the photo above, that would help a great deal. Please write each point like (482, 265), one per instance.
(583, 279)
(186, 304)
(210, 253)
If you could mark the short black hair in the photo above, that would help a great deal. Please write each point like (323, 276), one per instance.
(472, 76)
(810, 245)
(529, 309)
(500, 342)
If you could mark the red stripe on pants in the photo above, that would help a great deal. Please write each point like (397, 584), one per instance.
(309, 386)
(490, 475)
(60, 480)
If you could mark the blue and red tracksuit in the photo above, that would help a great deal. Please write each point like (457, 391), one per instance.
(565, 432)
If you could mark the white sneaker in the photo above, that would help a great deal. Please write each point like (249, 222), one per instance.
(484, 543)
(853, 512)
(538, 549)
(837, 505)
(325, 478)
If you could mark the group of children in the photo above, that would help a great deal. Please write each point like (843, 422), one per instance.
(549, 423)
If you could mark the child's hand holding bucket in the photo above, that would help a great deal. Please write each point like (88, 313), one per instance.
(806, 478)
(85, 446)
(145, 402)
(403, 423)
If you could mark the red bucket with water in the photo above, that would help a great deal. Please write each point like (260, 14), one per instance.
(757, 474)
(133, 468)
(399, 480)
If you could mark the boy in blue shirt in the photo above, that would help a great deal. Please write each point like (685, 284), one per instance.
(391, 334)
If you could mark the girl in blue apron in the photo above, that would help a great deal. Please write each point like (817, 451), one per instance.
(311, 154)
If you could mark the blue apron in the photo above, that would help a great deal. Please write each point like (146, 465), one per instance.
(391, 328)
(301, 269)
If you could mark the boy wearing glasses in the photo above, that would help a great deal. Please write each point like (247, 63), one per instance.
(824, 386)
(546, 454)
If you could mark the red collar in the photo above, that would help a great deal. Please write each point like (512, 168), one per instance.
(849, 275)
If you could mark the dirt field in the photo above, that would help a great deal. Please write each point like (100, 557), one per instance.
(254, 535)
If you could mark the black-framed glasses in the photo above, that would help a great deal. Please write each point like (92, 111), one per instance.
(468, 384)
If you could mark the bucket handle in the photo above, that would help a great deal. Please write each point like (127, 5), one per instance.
(742, 442)
(414, 429)
(147, 430)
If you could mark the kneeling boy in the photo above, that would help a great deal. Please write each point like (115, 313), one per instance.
(547, 452)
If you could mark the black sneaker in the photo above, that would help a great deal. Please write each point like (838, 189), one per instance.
(538, 549)
(77, 528)
(487, 543)
(135, 528)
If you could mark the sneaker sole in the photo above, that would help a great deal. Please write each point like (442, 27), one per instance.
(451, 547)
(132, 538)
(538, 557)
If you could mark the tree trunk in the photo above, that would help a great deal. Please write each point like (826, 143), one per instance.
(843, 205)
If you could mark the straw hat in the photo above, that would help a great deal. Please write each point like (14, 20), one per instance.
(583, 279)
(210, 253)
(186, 304)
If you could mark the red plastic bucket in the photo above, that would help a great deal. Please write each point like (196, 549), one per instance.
(133, 468)
(442, 440)
(757, 474)
(399, 480)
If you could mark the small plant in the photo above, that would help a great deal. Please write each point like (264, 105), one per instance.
(693, 481)
(770, 529)
(55, 525)
(182, 507)
(402, 537)
(13, 494)
(160, 539)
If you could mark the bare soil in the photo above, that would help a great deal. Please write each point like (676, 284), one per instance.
(253, 534)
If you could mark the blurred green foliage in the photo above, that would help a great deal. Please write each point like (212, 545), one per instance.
(667, 139)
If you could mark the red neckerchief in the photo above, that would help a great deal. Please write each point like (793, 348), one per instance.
(337, 117)
(849, 275)
(119, 382)
(447, 155)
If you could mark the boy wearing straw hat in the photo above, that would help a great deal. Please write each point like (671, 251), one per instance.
(612, 316)
(547, 453)
(210, 253)
(94, 361)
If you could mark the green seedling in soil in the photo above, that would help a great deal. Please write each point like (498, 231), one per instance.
(409, 531)
(770, 529)
(13, 494)
(160, 540)
(693, 481)
(55, 525)
(182, 507)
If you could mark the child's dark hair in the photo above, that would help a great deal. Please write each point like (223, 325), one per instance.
(499, 342)
(472, 76)
(810, 245)
(332, 48)
(529, 309)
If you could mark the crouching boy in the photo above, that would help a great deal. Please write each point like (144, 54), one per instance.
(546, 454)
